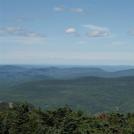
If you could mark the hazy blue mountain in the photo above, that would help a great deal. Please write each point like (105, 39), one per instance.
(90, 88)
(14, 74)
(61, 72)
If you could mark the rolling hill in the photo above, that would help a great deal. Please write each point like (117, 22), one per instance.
(91, 89)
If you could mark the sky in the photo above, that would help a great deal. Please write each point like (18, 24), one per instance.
(67, 32)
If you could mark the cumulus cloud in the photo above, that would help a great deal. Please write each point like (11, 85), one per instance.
(59, 8)
(19, 35)
(72, 10)
(97, 31)
(10, 31)
(18, 31)
(77, 10)
(71, 31)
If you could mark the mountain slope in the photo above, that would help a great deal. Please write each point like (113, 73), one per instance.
(91, 93)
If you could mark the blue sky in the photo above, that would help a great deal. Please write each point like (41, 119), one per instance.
(70, 32)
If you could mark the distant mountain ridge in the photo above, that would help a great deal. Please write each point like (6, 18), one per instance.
(11, 75)
(59, 72)
(90, 88)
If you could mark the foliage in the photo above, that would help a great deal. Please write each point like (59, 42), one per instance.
(89, 93)
(23, 118)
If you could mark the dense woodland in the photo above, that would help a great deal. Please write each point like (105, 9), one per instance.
(91, 94)
(86, 88)
(23, 118)
(90, 90)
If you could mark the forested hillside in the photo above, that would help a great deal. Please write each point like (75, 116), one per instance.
(25, 119)
(92, 94)
(79, 87)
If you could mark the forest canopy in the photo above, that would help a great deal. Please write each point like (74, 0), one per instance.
(23, 118)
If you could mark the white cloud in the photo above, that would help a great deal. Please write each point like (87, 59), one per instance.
(21, 36)
(97, 31)
(18, 31)
(10, 31)
(72, 10)
(70, 30)
(77, 10)
(59, 8)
